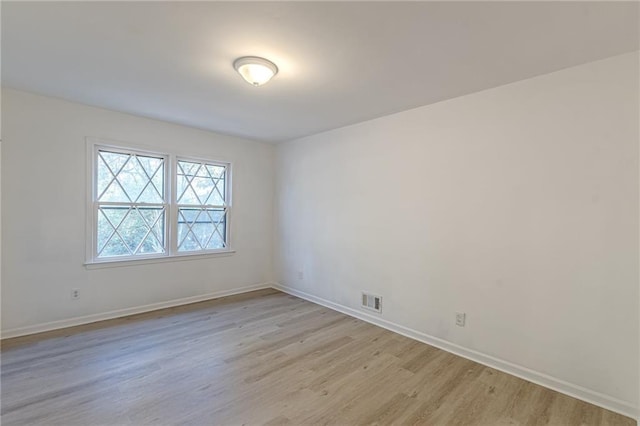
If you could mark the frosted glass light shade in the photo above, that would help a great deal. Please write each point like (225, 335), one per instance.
(256, 71)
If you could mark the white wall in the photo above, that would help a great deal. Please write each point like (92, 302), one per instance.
(43, 218)
(517, 205)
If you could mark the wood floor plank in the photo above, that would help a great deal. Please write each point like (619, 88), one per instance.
(262, 358)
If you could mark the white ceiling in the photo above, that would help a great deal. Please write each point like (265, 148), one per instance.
(340, 63)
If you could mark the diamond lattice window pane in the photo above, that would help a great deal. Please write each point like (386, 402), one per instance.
(114, 247)
(189, 243)
(186, 171)
(201, 229)
(110, 164)
(133, 179)
(216, 171)
(130, 178)
(187, 218)
(104, 175)
(113, 192)
(154, 219)
(200, 184)
(127, 231)
(154, 169)
(216, 197)
(218, 239)
(130, 200)
(109, 242)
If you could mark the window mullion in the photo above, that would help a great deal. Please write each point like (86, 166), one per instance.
(128, 204)
(170, 197)
(94, 231)
(203, 206)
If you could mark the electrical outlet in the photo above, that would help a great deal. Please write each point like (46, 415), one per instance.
(75, 293)
(300, 275)
(461, 318)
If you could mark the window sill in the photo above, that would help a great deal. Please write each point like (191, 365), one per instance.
(174, 258)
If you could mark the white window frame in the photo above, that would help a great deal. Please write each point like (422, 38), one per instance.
(176, 207)
(170, 204)
(95, 204)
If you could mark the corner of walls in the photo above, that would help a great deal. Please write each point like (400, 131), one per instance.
(524, 373)
(514, 204)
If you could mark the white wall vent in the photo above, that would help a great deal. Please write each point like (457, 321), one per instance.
(372, 302)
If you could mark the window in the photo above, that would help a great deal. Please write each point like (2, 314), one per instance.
(150, 205)
(202, 207)
(130, 204)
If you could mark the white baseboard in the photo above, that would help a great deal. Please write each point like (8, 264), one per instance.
(541, 379)
(71, 322)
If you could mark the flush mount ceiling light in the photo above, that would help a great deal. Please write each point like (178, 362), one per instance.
(256, 71)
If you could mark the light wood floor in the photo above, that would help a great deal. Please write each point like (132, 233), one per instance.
(262, 358)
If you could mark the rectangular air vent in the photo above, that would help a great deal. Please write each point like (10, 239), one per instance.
(372, 302)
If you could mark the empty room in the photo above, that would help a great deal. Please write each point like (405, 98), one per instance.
(320, 213)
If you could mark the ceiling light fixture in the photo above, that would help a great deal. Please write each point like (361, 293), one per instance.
(256, 71)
